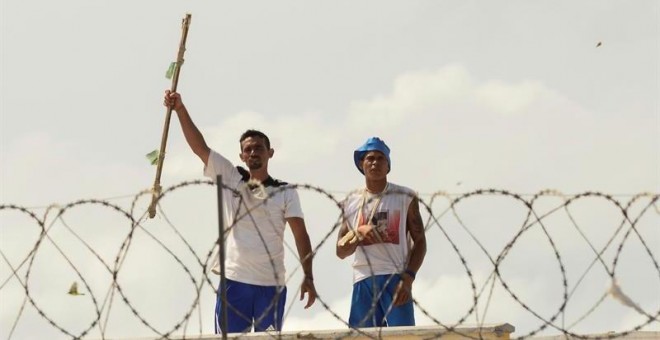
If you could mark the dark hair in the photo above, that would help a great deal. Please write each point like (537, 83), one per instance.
(254, 133)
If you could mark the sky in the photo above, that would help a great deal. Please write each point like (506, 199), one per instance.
(518, 96)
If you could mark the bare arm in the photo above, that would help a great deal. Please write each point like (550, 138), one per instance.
(305, 254)
(194, 138)
(415, 228)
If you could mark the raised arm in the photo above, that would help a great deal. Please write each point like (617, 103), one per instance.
(306, 256)
(415, 228)
(194, 138)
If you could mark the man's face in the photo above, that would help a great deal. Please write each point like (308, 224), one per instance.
(254, 153)
(374, 165)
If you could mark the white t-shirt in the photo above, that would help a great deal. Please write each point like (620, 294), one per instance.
(389, 218)
(258, 236)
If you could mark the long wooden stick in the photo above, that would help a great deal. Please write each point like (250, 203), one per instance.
(156, 191)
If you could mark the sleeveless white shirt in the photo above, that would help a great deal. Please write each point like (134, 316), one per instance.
(388, 212)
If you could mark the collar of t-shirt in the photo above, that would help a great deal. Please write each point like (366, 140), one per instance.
(268, 182)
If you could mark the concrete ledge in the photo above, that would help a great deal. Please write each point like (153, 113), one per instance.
(639, 335)
(497, 331)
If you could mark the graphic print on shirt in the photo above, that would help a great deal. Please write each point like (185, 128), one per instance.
(386, 224)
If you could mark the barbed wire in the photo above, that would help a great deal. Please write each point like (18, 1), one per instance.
(638, 207)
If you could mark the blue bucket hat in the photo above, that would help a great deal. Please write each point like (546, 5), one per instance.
(372, 144)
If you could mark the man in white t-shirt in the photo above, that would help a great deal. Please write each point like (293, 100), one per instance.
(382, 226)
(256, 209)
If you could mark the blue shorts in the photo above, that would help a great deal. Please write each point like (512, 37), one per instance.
(248, 305)
(371, 304)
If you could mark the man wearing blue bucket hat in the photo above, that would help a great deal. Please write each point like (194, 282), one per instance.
(382, 226)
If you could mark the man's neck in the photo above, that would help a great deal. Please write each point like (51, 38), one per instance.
(376, 186)
(259, 175)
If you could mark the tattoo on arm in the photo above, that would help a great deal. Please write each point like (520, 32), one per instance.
(414, 223)
(415, 227)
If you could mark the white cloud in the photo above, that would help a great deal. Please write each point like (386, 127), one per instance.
(509, 99)
(414, 93)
